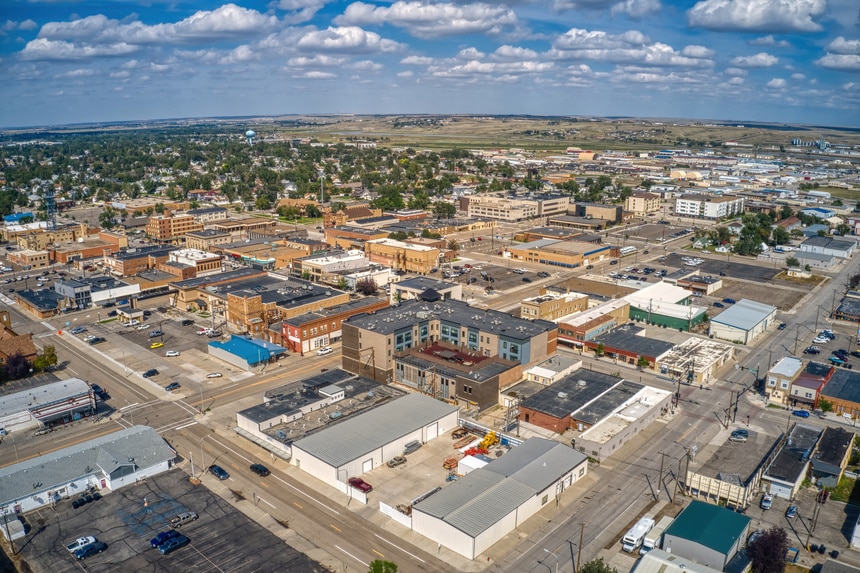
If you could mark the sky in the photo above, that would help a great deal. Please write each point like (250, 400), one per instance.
(788, 61)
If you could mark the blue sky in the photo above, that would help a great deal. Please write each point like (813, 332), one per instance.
(792, 61)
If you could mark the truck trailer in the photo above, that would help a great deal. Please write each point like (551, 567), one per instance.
(654, 538)
(636, 536)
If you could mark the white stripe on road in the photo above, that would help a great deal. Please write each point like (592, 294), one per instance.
(266, 502)
(185, 426)
(353, 556)
(400, 548)
(124, 408)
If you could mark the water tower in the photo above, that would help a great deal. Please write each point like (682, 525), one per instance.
(250, 134)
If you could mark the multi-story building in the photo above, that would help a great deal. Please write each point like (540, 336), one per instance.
(171, 228)
(501, 209)
(325, 267)
(208, 214)
(567, 254)
(347, 237)
(581, 327)
(370, 341)
(424, 288)
(202, 261)
(38, 237)
(402, 256)
(241, 229)
(553, 305)
(806, 388)
(132, 261)
(78, 294)
(642, 203)
(206, 239)
(609, 213)
(30, 259)
(709, 206)
(781, 377)
(310, 331)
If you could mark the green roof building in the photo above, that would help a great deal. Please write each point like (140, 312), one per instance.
(707, 534)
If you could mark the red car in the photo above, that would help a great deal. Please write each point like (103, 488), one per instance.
(360, 485)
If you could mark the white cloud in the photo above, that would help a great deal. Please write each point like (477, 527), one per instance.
(131, 64)
(367, 66)
(42, 49)
(316, 75)
(636, 9)
(318, 60)
(226, 22)
(631, 47)
(798, 76)
(239, 54)
(78, 73)
(760, 60)
(417, 60)
(757, 15)
(428, 20)
(776, 83)
(850, 86)
(120, 75)
(698, 52)
(843, 62)
(13, 25)
(737, 81)
(769, 40)
(514, 53)
(476, 68)
(470, 54)
(736, 72)
(351, 39)
(842, 46)
(406, 74)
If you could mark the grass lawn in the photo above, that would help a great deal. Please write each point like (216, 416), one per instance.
(847, 491)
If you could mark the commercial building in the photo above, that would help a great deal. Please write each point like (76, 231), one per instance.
(42, 303)
(365, 441)
(245, 352)
(202, 261)
(133, 261)
(611, 214)
(807, 387)
(566, 254)
(313, 330)
(664, 304)
(446, 372)
(709, 206)
(849, 307)
(827, 246)
(642, 203)
(208, 214)
(12, 343)
(707, 534)
(552, 369)
(743, 321)
(578, 328)
(785, 474)
(611, 430)
(107, 463)
(696, 360)
(843, 393)
(781, 377)
(48, 405)
(76, 293)
(402, 256)
(328, 267)
(501, 209)
(553, 305)
(831, 456)
(205, 239)
(478, 510)
(349, 237)
(371, 340)
(630, 344)
(171, 228)
(659, 561)
(424, 288)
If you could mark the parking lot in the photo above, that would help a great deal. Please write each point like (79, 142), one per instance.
(221, 539)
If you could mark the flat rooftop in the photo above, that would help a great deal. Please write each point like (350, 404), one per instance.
(606, 403)
(571, 393)
(39, 396)
(632, 338)
(736, 462)
(795, 454)
(629, 411)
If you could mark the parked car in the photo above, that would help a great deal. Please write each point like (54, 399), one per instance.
(98, 340)
(214, 375)
(187, 322)
(396, 461)
(719, 305)
(173, 386)
(835, 360)
(613, 262)
(163, 536)
(156, 345)
(766, 501)
(80, 543)
(781, 326)
(820, 340)
(729, 301)
(801, 413)
(150, 373)
(132, 323)
(360, 485)
(91, 549)
(526, 280)
(78, 329)
(183, 518)
(171, 353)
(260, 470)
(173, 543)
(740, 435)
(324, 351)
(791, 512)
(155, 333)
(544, 274)
(218, 472)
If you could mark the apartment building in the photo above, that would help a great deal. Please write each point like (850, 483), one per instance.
(709, 206)
(171, 228)
(208, 214)
(501, 209)
(402, 256)
(370, 341)
(642, 203)
(552, 306)
(132, 261)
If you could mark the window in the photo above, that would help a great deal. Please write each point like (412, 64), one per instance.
(809, 394)
(582, 469)
(544, 499)
(784, 385)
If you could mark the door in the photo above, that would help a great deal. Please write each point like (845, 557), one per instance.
(432, 431)
(366, 466)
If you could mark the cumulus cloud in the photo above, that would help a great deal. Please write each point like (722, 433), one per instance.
(736, 72)
(417, 60)
(760, 60)
(737, 81)
(367, 66)
(698, 52)
(475, 67)
(842, 46)
(631, 47)
(842, 62)
(299, 10)
(315, 61)
(776, 83)
(351, 39)
(240, 54)
(79, 73)
(470, 54)
(316, 75)
(636, 9)
(13, 26)
(515, 53)
(769, 40)
(798, 76)
(758, 15)
(42, 49)
(406, 74)
(428, 20)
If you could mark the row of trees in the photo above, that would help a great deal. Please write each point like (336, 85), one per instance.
(17, 366)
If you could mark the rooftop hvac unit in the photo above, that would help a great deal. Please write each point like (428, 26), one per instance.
(562, 395)
(581, 383)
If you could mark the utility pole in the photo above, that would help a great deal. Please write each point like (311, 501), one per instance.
(579, 549)
(660, 482)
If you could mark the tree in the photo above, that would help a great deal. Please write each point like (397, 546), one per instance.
(643, 362)
(597, 566)
(780, 236)
(444, 210)
(107, 218)
(453, 245)
(288, 212)
(785, 212)
(599, 350)
(263, 203)
(46, 360)
(843, 229)
(837, 202)
(767, 552)
(17, 367)
(380, 566)
(792, 262)
(312, 211)
(824, 405)
(366, 286)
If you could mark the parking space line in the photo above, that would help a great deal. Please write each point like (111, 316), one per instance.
(400, 548)
(185, 426)
(351, 555)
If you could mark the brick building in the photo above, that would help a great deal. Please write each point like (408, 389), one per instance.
(313, 330)
(171, 228)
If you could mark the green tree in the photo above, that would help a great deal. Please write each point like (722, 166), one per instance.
(837, 202)
(792, 262)
(380, 566)
(843, 229)
(767, 552)
(824, 405)
(780, 236)
(288, 212)
(643, 362)
(785, 212)
(46, 360)
(366, 286)
(453, 245)
(444, 210)
(597, 566)
(263, 203)
(107, 218)
(599, 350)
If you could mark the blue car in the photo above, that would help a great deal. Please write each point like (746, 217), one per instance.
(173, 543)
(801, 413)
(162, 537)
(218, 472)
(90, 549)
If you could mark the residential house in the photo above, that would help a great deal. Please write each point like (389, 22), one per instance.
(780, 378)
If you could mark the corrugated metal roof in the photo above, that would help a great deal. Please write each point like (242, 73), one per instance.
(711, 526)
(744, 314)
(355, 437)
(142, 444)
(482, 497)
(42, 395)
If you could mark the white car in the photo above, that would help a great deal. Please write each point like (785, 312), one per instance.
(172, 353)
(820, 340)
(142, 327)
(132, 323)
(214, 375)
(204, 331)
(324, 351)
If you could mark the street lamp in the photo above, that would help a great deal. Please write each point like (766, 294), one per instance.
(202, 458)
(556, 558)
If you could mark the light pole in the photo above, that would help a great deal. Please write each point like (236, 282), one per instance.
(202, 457)
(554, 555)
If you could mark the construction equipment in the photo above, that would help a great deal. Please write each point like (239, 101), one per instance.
(490, 440)
(475, 450)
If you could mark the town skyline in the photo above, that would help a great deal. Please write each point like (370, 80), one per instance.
(744, 61)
